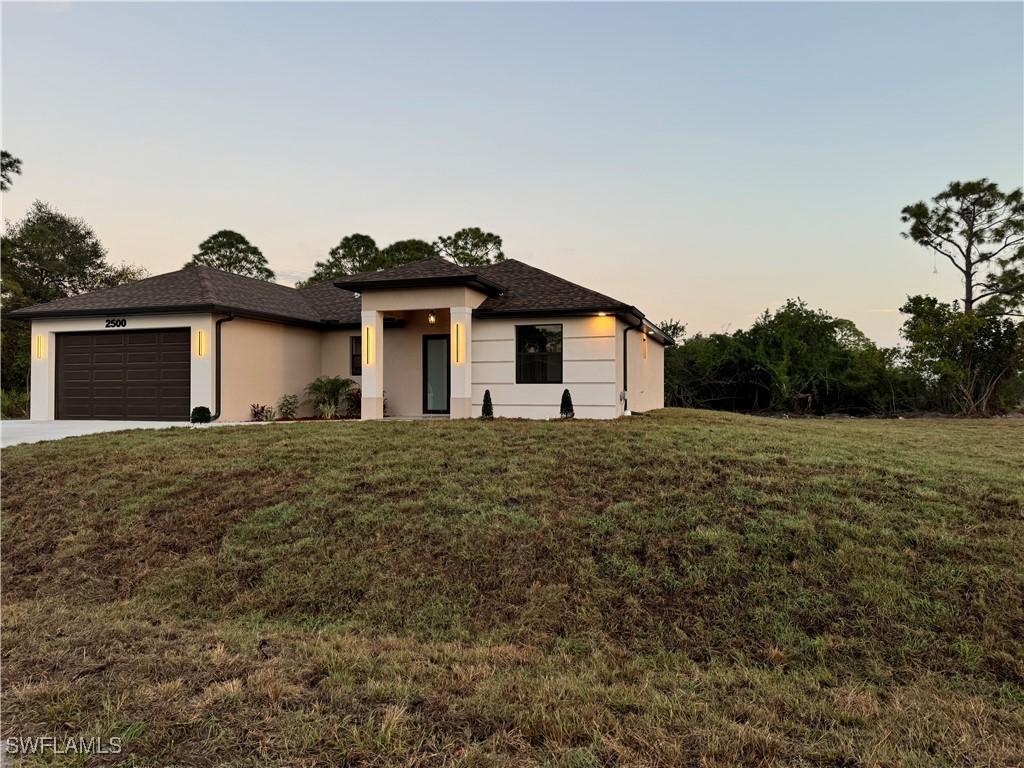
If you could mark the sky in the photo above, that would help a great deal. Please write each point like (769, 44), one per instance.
(700, 161)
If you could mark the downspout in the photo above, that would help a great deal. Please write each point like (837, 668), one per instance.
(625, 366)
(216, 374)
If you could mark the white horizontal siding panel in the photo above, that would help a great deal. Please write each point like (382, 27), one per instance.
(487, 330)
(595, 348)
(546, 394)
(587, 371)
(549, 411)
(494, 373)
(494, 350)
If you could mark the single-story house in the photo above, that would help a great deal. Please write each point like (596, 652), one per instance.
(428, 337)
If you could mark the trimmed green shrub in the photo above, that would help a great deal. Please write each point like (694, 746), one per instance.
(201, 415)
(487, 411)
(566, 409)
(288, 406)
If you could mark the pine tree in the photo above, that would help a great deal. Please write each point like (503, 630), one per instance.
(566, 409)
(487, 412)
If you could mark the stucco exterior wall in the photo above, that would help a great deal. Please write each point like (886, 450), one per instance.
(43, 369)
(646, 384)
(335, 354)
(261, 361)
(589, 369)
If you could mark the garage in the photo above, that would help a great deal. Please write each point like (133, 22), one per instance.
(131, 375)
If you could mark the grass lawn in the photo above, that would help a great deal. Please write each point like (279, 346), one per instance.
(683, 588)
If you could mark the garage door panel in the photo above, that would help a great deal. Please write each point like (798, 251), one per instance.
(124, 375)
(109, 340)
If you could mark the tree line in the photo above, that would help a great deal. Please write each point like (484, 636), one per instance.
(964, 356)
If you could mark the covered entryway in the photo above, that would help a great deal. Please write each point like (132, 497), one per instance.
(142, 375)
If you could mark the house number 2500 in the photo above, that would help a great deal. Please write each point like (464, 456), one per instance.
(116, 322)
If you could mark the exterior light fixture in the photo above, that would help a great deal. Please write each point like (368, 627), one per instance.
(200, 343)
(40, 347)
(458, 352)
(368, 346)
(602, 314)
(431, 318)
(644, 345)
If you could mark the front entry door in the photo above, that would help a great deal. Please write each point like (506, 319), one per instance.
(436, 374)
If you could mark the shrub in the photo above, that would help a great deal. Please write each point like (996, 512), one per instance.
(13, 404)
(326, 410)
(259, 412)
(353, 403)
(201, 415)
(328, 390)
(487, 412)
(566, 408)
(288, 406)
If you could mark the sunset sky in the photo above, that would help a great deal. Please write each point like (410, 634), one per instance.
(699, 161)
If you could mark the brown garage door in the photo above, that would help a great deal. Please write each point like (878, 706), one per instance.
(124, 375)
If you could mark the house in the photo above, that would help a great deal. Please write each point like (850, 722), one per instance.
(428, 337)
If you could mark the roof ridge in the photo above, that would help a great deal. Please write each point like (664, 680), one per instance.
(204, 286)
(235, 274)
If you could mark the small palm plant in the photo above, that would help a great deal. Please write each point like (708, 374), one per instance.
(326, 394)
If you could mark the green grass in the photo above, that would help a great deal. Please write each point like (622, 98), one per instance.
(684, 588)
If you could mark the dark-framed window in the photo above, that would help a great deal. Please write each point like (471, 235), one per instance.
(539, 354)
(356, 350)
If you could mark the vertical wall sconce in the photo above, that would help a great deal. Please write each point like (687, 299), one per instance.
(40, 347)
(643, 346)
(368, 347)
(458, 343)
(200, 343)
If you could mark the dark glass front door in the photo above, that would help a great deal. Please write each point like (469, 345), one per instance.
(436, 374)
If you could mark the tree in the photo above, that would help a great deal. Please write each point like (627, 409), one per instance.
(9, 166)
(674, 329)
(795, 359)
(45, 256)
(354, 254)
(231, 252)
(470, 247)
(971, 361)
(980, 231)
(405, 251)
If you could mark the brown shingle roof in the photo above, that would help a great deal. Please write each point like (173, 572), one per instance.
(204, 289)
(333, 304)
(516, 289)
(532, 290)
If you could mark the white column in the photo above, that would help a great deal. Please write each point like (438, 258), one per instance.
(372, 329)
(462, 369)
(42, 353)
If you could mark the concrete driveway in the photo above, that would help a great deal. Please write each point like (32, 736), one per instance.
(25, 431)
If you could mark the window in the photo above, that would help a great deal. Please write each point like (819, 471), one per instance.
(538, 354)
(357, 355)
